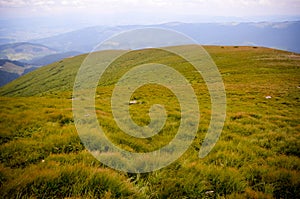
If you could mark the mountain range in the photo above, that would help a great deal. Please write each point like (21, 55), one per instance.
(279, 35)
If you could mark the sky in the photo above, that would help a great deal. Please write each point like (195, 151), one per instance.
(111, 12)
(33, 19)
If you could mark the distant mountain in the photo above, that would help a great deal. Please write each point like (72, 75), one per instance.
(10, 70)
(48, 59)
(3, 62)
(24, 51)
(28, 70)
(6, 77)
(280, 35)
(5, 41)
(83, 40)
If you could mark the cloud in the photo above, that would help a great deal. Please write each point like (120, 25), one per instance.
(156, 8)
(75, 3)
(152, 3)
(12, 3)
(25, 3)
(42, 3)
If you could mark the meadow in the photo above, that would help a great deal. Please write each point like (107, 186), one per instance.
(257, 155)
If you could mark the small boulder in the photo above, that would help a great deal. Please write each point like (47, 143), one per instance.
(132, 102)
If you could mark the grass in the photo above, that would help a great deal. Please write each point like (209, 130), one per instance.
(257, 155)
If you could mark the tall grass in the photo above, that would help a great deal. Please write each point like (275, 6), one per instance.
(257, 155)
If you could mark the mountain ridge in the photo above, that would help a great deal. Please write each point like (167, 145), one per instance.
(280, 35)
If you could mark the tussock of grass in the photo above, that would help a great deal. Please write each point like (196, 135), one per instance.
(49, 180)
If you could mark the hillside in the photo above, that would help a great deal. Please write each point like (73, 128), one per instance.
(257, 155)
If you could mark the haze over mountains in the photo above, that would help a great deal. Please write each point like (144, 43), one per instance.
(280, 35)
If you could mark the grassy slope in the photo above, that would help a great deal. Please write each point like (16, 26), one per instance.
(257, 155)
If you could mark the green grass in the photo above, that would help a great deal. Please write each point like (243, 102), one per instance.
(257, 155)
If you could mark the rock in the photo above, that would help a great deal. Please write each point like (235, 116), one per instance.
(132, 102)
(209, 192)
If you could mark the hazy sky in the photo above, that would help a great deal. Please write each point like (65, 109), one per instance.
(148, 11)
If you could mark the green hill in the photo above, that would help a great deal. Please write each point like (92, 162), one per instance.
(257, 155)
